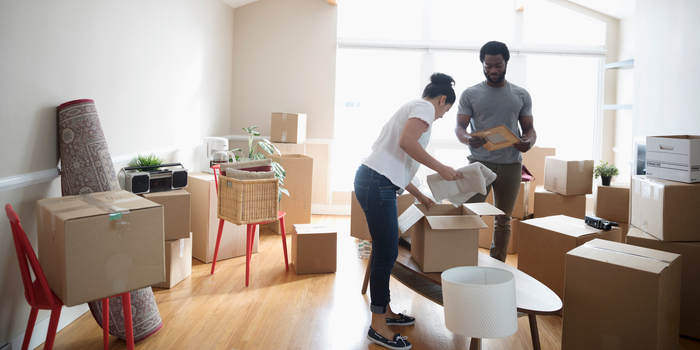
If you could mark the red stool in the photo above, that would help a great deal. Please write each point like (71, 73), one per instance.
(250, 236)
(40, 296)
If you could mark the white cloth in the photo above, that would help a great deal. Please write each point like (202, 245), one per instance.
(387, 157)
(476, 177)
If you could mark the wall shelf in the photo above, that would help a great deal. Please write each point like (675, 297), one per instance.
(629, 64)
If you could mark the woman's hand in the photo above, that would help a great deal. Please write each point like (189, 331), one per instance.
(423, 199)
(449, 173)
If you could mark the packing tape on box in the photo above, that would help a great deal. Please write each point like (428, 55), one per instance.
(580, 166)
(284, 136)
(284, 117)
(647, 188)
(591, 246)
(182, 248)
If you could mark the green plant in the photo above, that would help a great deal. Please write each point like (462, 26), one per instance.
(268, 147)
(151, 159)
(605, 170)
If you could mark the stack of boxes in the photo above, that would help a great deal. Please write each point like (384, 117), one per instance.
(177, 234)
(612, 203)
(566, 184)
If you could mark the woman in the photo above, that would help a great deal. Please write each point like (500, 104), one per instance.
(392, 163)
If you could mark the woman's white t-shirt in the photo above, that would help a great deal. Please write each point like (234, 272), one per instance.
(387, 157)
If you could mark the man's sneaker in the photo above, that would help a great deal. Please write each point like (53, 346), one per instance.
(403, 320)
(398, 343)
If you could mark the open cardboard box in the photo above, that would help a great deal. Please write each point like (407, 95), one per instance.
(445, 236)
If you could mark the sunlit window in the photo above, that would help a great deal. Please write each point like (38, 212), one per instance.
(380, 19)
(472, 20)
(548, 23)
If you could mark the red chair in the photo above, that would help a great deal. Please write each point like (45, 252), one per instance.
(250, 235)
(40, 296)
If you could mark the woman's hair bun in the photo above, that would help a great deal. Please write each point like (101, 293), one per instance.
(440, 78)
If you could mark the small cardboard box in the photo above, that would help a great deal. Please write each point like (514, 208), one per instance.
(178, 262)
(568, 177)
(613, 202)
(288, 128)
(533, 160)
(620, 296)
(176, 211)
(99, 245)
(299, 180)
(358, 220)
(205, 224)
(690, 276)
(544, 243)
(674, 158)
(667, 210)
(549, 204)
(314, 248)
(445, 236)
(290, 148)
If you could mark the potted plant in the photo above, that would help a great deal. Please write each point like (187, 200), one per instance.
(147, 161)
(606, 172)
(268, 147)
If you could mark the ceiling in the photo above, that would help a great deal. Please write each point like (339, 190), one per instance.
(614, 8)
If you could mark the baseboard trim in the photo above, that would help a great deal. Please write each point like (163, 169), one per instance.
(41, 328)
(323, 209)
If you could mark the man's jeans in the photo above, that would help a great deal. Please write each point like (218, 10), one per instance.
(505, 193)
(377, 197)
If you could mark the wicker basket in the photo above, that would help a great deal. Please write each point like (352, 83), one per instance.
(248, 201)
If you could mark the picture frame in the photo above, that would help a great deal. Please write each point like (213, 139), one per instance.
(497, 137)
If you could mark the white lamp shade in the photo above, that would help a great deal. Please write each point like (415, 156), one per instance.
(479, 302)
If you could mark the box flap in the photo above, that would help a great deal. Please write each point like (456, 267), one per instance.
(409, 218)
(563, 224)
(483, 209)
(639, 258)
(468, 222)
(314, 228)
(93, 204)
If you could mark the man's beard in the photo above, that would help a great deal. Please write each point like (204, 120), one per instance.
(500, 79)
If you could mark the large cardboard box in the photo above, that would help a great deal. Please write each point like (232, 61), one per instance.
(290, 148)
(176, 212)
(358, 220)
(98, 245)
(620, 296)
(446, 236)
(314, 248)
(544, 243)
(613, 202)
(288, 128)
(550, 204)
(178, 262)
(674, 158)
(690, 276)
(205, 224)
(568, 177)
(533, 160)
(298, 182)
(667, 210)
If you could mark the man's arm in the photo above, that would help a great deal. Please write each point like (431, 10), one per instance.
(462, 134)
(529, 134)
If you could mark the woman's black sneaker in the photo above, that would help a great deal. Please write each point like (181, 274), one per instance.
(403, 320)
(398, 343)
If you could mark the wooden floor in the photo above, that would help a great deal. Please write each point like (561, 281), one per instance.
(281, 310)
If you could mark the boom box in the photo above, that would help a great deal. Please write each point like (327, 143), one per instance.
(135, 181)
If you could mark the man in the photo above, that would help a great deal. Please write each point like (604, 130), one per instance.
(488, 104)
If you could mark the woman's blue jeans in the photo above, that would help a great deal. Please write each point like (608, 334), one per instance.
(377, 197)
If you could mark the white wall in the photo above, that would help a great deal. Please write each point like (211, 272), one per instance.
(159, 71)
(665, 68)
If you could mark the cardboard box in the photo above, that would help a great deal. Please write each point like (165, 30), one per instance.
(690, 276)
(533, 160)
(549, 204)
(176, 212)
(620, 296)
(101, 244)
(667, 210)
(445, 236)
(624, 228)
(358, 220)
(544, 243)
(298, 182)
(288, 128)
(314, 248)
(568, 177)
(519, 212)
(290, 148)
(674, 158)
(613, 202)
(178, 262)
(205, 224)
(514, 236)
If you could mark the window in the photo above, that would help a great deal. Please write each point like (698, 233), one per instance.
(472, 20)
(541, 16)
(380, 19)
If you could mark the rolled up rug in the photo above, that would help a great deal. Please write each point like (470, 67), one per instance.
(86, 167)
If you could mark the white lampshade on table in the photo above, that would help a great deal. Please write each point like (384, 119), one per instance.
(479, 302)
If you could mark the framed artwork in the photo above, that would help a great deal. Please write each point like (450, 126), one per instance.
(498, 137)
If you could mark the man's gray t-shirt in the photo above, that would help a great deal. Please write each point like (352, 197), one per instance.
(493, 106)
